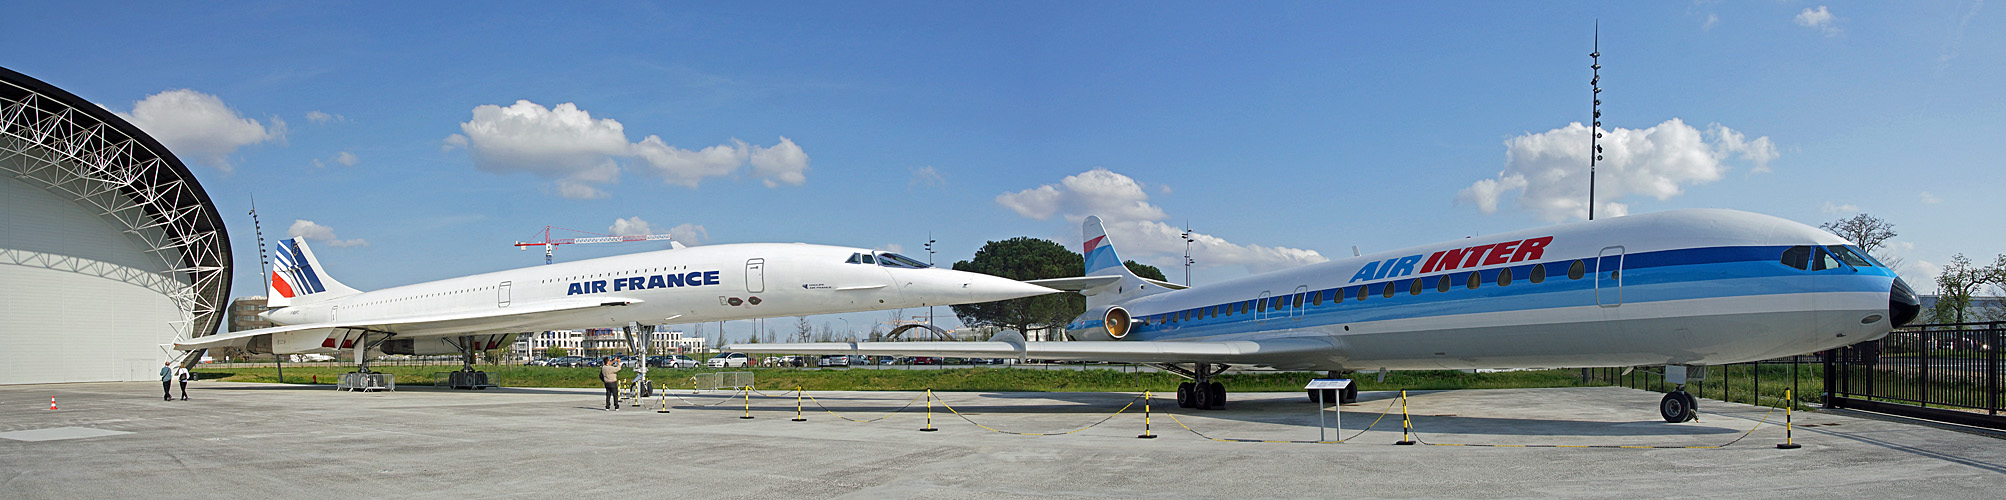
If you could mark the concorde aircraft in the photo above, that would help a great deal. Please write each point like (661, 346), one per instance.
(678, 285)
(1679, 289)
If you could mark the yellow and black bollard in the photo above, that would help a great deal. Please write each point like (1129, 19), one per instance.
(748, 402)
(797, 405)
(1788, 443)
(1406, 424)
(1145, 418)
(929, 413)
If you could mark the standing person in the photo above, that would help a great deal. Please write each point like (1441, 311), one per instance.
(609, 372)
(181, 374)
(167, 381)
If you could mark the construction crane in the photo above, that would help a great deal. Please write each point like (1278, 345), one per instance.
(550, 244)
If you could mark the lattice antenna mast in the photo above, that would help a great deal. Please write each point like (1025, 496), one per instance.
(264, 264)
(1595, 140)
(550, 244)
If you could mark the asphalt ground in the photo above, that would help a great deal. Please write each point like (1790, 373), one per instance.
(239, 440)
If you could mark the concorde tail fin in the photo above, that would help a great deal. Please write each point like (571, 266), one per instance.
(297, 277)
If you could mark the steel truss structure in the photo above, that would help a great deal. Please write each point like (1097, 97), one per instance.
(71, 147)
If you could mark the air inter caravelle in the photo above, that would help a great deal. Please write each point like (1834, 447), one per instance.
(683, 284)
(1679, 289)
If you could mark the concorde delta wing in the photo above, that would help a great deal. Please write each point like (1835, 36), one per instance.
(449, 324)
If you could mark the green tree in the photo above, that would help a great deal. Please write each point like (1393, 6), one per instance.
(1141, 269)
(1955, 285)
(1022, 259)
(554, 352)
(1867, 232)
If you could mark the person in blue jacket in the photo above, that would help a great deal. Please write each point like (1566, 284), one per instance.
(167, 381)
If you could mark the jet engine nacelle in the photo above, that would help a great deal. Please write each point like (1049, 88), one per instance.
(444, 345)
(1102, 323)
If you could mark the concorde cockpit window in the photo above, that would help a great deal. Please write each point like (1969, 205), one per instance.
(1846, 253)
(855, 258)
(868, 259)
(1798, 256)
(889, 259)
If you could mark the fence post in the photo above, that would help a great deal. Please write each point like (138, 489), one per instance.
(1992, 340)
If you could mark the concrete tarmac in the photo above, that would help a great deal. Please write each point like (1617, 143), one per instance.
(238, 440)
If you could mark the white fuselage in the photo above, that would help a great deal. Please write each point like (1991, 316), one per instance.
(685, 285)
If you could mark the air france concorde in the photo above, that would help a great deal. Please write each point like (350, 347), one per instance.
(679, 285)
(1679, 289)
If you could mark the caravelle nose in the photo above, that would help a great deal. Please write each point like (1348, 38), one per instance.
(1903, 306)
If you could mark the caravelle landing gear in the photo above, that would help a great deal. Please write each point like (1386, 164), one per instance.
(1201, 392)
(1347, 395)
(1679, 406)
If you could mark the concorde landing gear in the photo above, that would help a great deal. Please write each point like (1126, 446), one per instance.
(467, 377)
(1201, 392)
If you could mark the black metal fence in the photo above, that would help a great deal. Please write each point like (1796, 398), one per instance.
(1947, 372)
(1771, 382)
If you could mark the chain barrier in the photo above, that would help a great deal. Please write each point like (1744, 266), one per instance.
(728, 399)
(908, 404)
(1341, 439)
(1103, 420)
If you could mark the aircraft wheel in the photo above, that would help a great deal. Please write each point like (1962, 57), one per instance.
(1316, 395)
(1215, 396)
(1678, 406)
(1184, 399)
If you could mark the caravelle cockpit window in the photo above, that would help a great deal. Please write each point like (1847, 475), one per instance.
(889, 259)
(1847, 254)
(1797, 257)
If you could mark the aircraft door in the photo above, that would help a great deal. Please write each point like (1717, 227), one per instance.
(501, 294)
(1297, 302)
(332, 313)
(755, 276)
(1262, 306)
(1609, 277)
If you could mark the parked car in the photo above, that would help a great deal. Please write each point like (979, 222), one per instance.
(730, 360)
(833, 360)
(925, 360)
(566, 361)
(794, 361)
(672, 361)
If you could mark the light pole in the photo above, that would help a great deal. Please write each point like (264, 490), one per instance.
(929, 263)
(1187, 253)
(1595, 141)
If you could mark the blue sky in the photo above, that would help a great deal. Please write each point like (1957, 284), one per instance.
(1284, 132)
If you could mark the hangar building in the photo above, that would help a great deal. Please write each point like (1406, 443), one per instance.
(109, 249)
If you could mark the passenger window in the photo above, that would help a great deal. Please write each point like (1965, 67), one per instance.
(1577, 270)
(1538, 273)
(1386, 290)
(1414, 288)
(1798, 256)
(1504, 276)
(1476, 278)
(1362, 291)
(1245, 307)
(1263, 304)
(1298, 303)
(1278, 303)
(1336, 295)
(1442, 283)
(1316, 298)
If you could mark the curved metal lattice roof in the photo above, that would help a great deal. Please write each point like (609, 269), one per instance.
(77, 149)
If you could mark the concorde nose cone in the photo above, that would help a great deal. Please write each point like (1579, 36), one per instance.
(972, 288)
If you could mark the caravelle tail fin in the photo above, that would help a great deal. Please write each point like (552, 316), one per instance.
(1102, 261)
(297, 277)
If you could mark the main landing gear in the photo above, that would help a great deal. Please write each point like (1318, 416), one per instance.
(467, 377)
(1201, 392)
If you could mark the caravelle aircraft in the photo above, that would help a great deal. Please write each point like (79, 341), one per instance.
(1681, 289)
(683, 284)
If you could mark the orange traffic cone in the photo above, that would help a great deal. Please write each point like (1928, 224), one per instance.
(52, 402)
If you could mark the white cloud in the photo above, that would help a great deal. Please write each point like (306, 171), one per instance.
(345, 158)
(784, 163)
(891, 247)
(1711, 20)
(1835, 208)
(1136, 225)
(198, 126)
(1930, 199)
(1549, 170)
(631, 226)
(316, 232)
(318, 117)
(689, 234)
(925, 176)
(1956, 39)
(1820, 19)
(580, 153)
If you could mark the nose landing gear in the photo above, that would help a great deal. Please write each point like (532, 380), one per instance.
(1679, 406)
